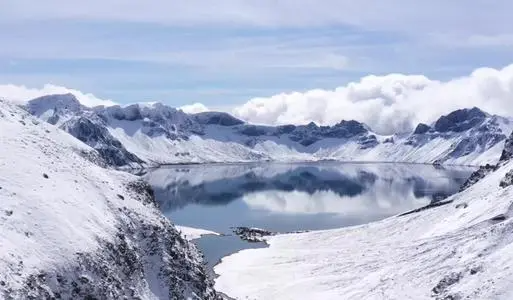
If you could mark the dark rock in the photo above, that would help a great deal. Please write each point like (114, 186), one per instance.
(446, 282)
(96, 135)
(253, 130)
(308, 141)
(367, 142)
(121, 197)
(462, 205)
(499, 218)
(507, 180)
(477, 176)
(143, 257)
(389, 140)
(345, 129)
(285, 129)
(217, 118)
(507, 153)
(460, 120)
(45, 175)
(9, 213)
(422, 129)
(429, 206)
(252, 234)
(475, 270)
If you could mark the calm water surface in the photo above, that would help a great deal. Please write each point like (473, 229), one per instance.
(292, 197)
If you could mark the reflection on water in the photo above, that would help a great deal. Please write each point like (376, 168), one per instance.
(292, 197)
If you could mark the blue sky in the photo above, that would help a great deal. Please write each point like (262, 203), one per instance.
(223, 53)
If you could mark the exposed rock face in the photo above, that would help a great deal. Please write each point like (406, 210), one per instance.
(307, 135)
(96, 135)
(507, 180)
(421, 129)
(507, 153)
(217, 118)
(460, 120)
(252, 235)
(478, 175)
(144, 255)
(506, 156)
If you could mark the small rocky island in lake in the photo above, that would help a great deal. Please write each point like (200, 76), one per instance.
(251, 234)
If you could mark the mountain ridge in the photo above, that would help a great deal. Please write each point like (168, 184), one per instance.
(156, 134)
(71, 229)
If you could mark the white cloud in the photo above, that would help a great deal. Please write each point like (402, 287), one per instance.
(194, 108)
(22, 94)
(389, 103)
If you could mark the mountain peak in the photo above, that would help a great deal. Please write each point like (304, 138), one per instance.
(51, 107)
(56, 101)
(217, 118)
(460, 120)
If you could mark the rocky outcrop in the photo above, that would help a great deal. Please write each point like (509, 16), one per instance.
(421, 129)
(478, 175)
(507, 153)
(217, 118)
(460, 120)
(95, 134)
(506, 156)
(146, 259)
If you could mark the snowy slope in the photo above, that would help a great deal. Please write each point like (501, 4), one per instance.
(462, 250)
(155, 134)
(70, 229)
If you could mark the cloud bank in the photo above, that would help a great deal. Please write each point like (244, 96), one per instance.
(388, 104)
(22, 94)
(194, 108)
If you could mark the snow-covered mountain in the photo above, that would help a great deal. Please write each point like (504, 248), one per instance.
(70, 229)
(158, 134)
(460, 249)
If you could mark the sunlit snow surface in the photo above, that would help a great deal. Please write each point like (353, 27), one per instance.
(191, 233)
(446, 251)
(57, 208)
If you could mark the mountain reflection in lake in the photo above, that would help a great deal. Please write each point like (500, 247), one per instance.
(292, 197)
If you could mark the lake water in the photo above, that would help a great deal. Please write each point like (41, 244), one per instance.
(293, 197)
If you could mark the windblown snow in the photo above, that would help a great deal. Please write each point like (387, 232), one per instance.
(70, 229)
(461, 250)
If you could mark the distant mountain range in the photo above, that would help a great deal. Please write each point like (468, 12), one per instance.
(154, 134)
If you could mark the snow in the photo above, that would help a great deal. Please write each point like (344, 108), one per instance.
(441, 252)
(159, 134)
(56, 203)
(226, 144)
(191, 233)
(71, 205)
